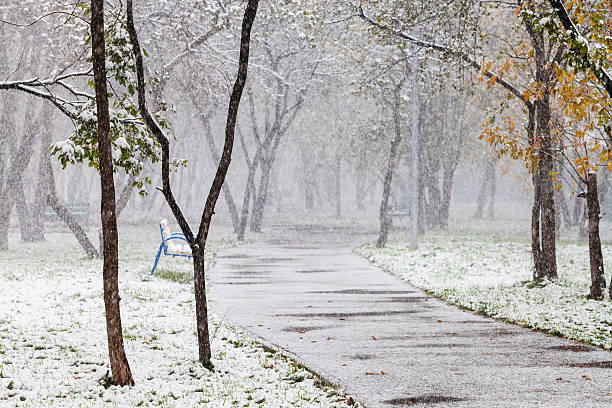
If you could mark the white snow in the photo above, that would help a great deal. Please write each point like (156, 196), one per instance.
(53, 348)
(493, 277)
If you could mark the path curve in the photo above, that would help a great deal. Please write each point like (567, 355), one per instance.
(388, 343)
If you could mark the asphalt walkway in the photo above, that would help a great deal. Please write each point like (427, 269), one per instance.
(389, 343)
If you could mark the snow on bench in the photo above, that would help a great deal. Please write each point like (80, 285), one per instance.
(172, 244)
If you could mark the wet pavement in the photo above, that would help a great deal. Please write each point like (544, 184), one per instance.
(303, 290)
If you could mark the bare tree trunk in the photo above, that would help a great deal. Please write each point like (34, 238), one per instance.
(43, 185)
(122, 375)
(548, 230)
(384, 218)
(564, 210)
(486, 180)
(32, 124)
(12, 190)
(598, 279)
(249, 191)
(447, 190)
(124, 196)
(64, 214)
(547, 268)
(198, 243)
(227, 193)
(262, 197)
(21, 206)
(309, 190)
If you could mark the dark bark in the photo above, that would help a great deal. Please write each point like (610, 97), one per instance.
(198, 243)
(548, 229)
(384, 218)
(598, 279)
(546, 268)
(227, 193)
(212, 148)
(120, 368)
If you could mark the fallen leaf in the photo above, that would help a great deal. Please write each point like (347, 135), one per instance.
(344, 365)
(313, 341)
(383, 373)
(440, 321)
(374, 338)
(559, 379)
(367, 373)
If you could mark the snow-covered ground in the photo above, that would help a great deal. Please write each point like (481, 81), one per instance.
(491, 275)
(53, 339)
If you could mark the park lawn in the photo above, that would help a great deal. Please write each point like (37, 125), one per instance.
(492, 276)
(53, 336)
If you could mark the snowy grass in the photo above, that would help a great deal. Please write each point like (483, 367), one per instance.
(492, 276)
(53, 338)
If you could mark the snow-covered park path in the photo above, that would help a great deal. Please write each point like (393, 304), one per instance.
(389, 343)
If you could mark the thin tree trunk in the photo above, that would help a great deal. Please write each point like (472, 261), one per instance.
(227, 194)
(197, 243)
(262, 197)
(122, 375)
(384, 218)
(447, 190)
(21, 206)
(482, 194)
(338, 188)
(493, 187)
(548, 202)
(64, 214)
(598, 279)
(42, 187)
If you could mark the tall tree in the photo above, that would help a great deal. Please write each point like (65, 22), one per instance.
(197, 243)
(122, 375)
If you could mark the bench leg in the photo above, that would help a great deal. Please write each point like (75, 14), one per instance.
(157, 258)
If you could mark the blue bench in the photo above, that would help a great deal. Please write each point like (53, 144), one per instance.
(172, 244)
